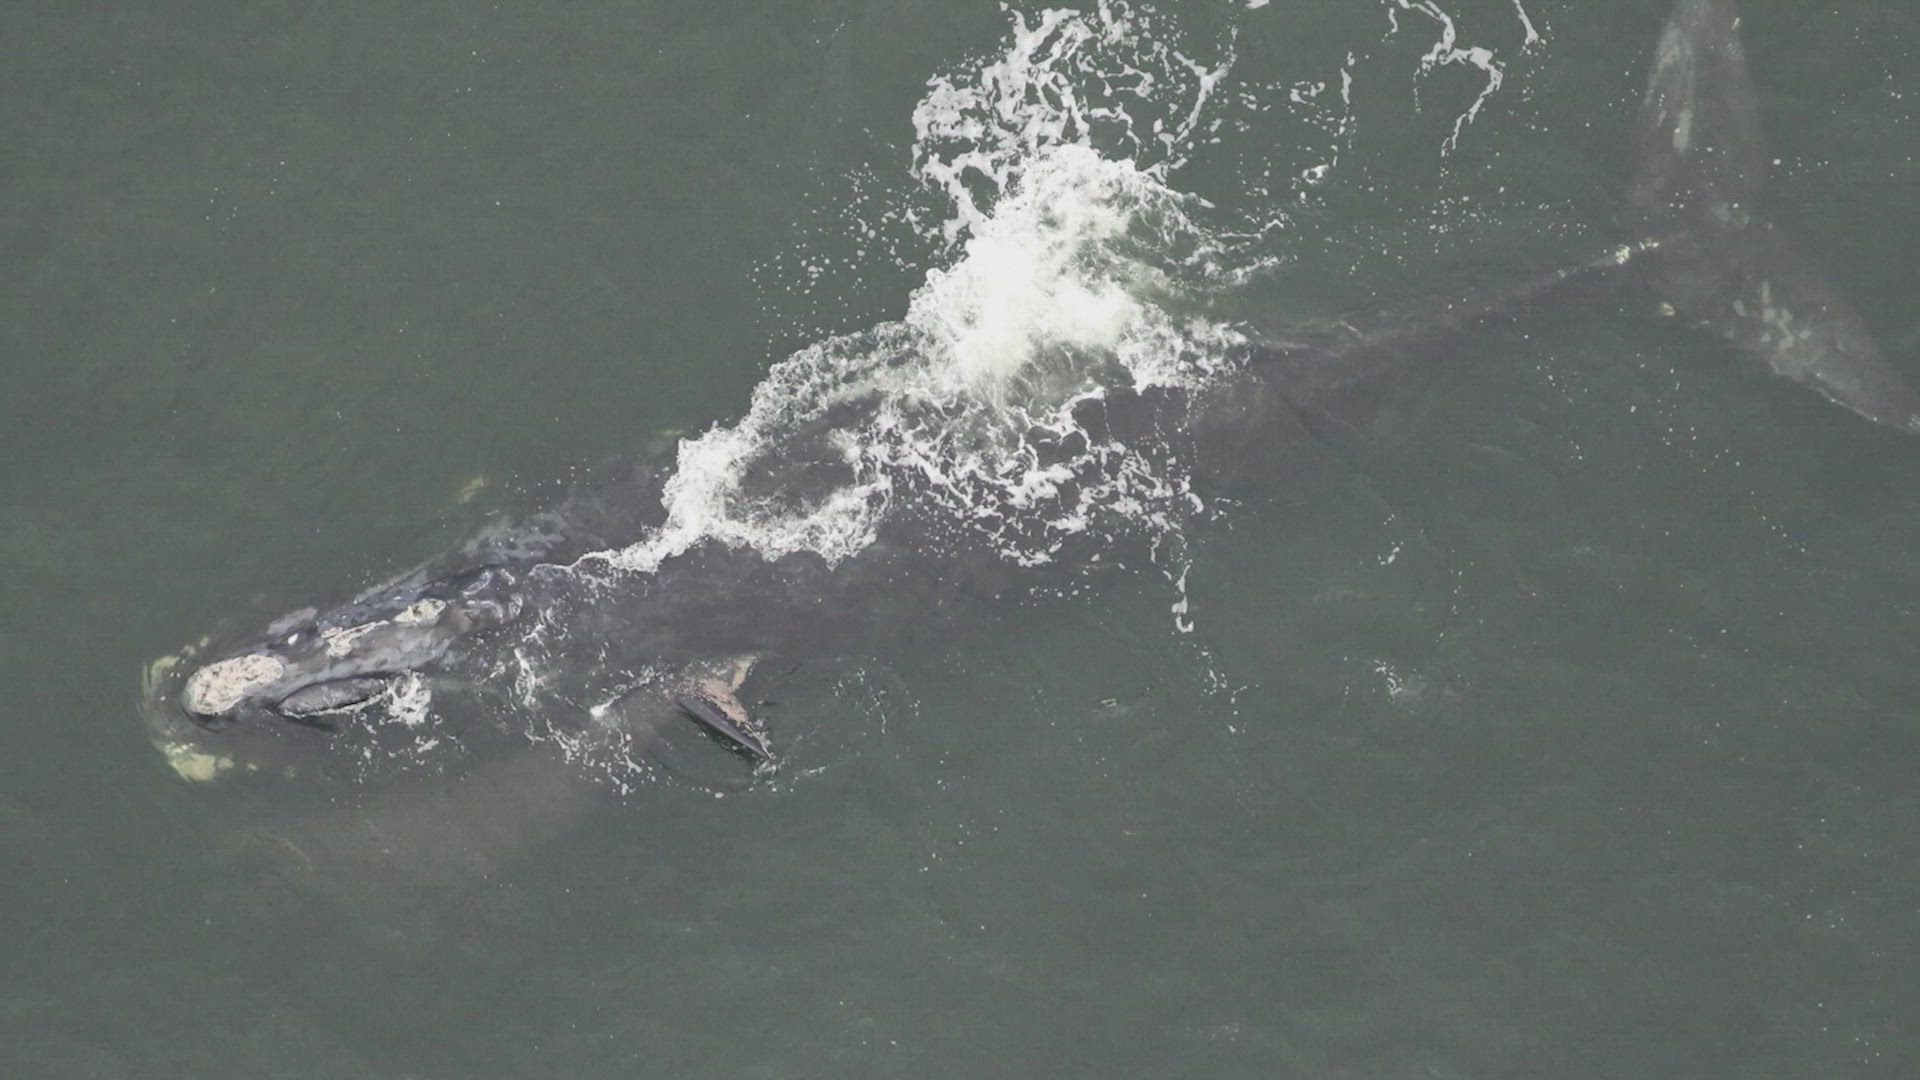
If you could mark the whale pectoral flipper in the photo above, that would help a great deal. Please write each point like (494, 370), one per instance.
(713, 698)
(726, 716)
(1698, 164)
(706, 692)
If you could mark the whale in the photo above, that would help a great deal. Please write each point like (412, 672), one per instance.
(534, 616)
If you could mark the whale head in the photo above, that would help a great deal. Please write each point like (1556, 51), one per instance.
(256, 702)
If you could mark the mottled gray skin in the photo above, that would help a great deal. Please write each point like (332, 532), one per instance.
(248, 704)
(1700, 163)
(323, 663)
(684, 636)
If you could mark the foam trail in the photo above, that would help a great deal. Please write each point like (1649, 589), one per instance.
(1058, 247)
(1447, 50)
(1043, 309)
(1526, 24)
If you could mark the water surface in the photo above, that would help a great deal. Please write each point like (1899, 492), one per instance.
(1558, 721)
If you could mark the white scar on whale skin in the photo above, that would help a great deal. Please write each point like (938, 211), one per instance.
(1683, 131)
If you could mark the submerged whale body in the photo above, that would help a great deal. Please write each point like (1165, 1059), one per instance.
(1700, 164)
(537, 616)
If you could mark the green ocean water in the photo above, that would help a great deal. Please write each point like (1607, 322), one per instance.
(1560, 720)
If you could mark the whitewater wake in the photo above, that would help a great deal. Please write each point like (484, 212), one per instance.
(1064, 244)
(1073, 266)
(1068, 266)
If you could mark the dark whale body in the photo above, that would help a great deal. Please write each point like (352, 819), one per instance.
(628, 650)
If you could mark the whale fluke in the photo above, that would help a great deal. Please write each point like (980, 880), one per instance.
(1699, 162)
(1698, 165)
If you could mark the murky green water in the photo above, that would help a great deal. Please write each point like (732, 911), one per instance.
(1570, 712)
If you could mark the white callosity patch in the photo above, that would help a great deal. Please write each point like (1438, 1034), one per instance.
(218, 687)
(421, 612)
(340, 641)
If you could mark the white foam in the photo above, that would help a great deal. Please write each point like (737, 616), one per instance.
(1047, 301)
(1062, 261)
(1068, 257)
(1447, 50)
(1067, 254)
(1060, 256)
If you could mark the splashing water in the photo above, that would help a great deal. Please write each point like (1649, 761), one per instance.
(1030, 408)
(1071, 265)
(1115, 78)
(1044, 308)
(1069, 249)
(1062, 254)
